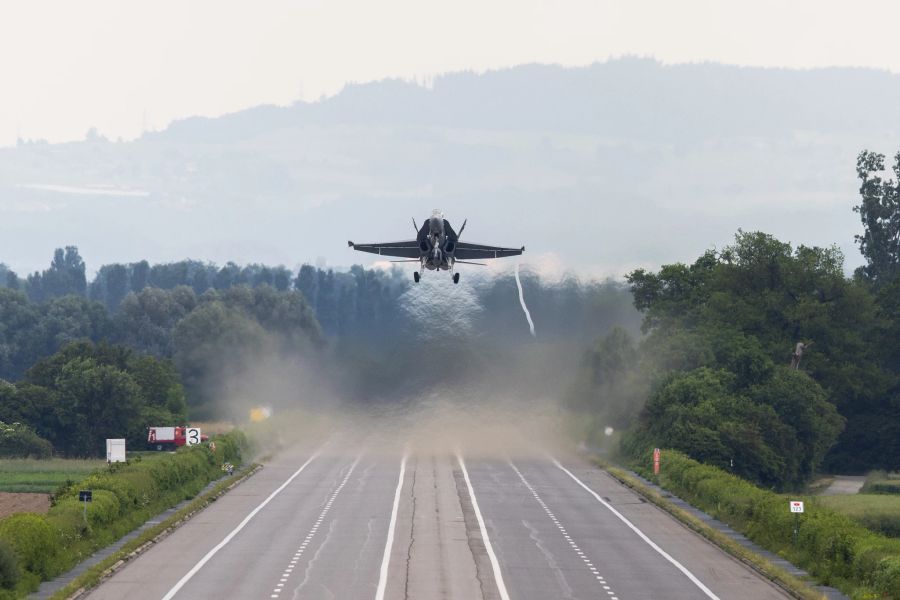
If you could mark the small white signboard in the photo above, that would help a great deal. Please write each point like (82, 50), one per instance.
(796, 506)
(115, 450)
(192, 436)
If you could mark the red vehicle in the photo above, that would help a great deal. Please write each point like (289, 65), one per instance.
(168, 438)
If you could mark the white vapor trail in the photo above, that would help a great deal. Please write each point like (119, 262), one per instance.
(522, 302)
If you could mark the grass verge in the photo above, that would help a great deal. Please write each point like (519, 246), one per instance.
(794, 586)
(878, 512)
(43, 475)
(880, 482)
(104, 569)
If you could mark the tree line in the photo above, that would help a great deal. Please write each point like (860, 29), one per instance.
(764, 358)
(360, 332)
(166, 354)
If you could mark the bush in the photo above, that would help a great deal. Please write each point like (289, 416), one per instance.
(774, 433)
(880, 482)
(9, 566)
(33, 541)
(20, 441)
(40, 546)
(831, 546)
(883, 487)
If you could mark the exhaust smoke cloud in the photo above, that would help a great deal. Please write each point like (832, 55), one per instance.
(435, 306)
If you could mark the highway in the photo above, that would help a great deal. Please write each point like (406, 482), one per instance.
(346, 520)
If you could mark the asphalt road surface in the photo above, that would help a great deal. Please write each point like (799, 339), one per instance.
(345, 521)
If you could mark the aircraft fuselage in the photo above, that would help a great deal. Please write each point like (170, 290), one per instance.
(437, 243)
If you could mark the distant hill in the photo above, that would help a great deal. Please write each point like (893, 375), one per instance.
(633, 98)
(597, 169)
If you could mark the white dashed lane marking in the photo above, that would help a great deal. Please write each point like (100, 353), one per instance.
(187, 577)
(709, 594)
(601, 581)
(279, 587)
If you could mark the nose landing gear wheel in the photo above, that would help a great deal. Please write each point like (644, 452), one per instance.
(416, 277)
(456, 278)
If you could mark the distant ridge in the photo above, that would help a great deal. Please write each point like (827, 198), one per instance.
(631, 97)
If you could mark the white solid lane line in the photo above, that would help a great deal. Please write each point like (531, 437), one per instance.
(601, 581)
(279, 587)
(495, 564)
(386, 559)
(187, 577)
(641, 534)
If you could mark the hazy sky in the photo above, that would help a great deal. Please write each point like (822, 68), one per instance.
(66, 66)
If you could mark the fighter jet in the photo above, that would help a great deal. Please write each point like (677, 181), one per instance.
(437, 248)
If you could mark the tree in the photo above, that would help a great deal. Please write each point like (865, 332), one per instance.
(18, 440)
(213, 343)
(281, 279)
(742, 310)
(879, 211)
(307, 283)
(67, 319)
(227, 276)
(200, 281)
(18, 321)
(610, 386)
(86, 393)
(776, 434)
(147, 319)
(140, 271)
(96, 402)
(326, 301)
(116, 286)
(65, 276)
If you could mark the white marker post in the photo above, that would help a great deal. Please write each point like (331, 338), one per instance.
(115, 450)
(797, 509)
(656, 457)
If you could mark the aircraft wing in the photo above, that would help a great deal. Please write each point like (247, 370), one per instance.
(471, 250)
(408, 249)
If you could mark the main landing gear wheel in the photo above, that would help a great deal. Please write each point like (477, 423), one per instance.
(456, 278)
(416, 277)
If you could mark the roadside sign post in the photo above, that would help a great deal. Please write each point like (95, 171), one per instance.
(85, 496)
(192, 436)
(656, 461)
(797, 509)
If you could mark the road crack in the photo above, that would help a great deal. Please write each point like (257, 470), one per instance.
(473, 532)
(412, 530)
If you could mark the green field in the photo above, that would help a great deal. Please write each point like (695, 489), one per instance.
(42, 475)
(879, 512)
(880, 482)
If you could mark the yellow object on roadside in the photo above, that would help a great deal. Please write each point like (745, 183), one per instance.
(260, 413)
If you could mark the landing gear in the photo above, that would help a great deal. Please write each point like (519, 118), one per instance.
(456, 278)
(416, 277)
